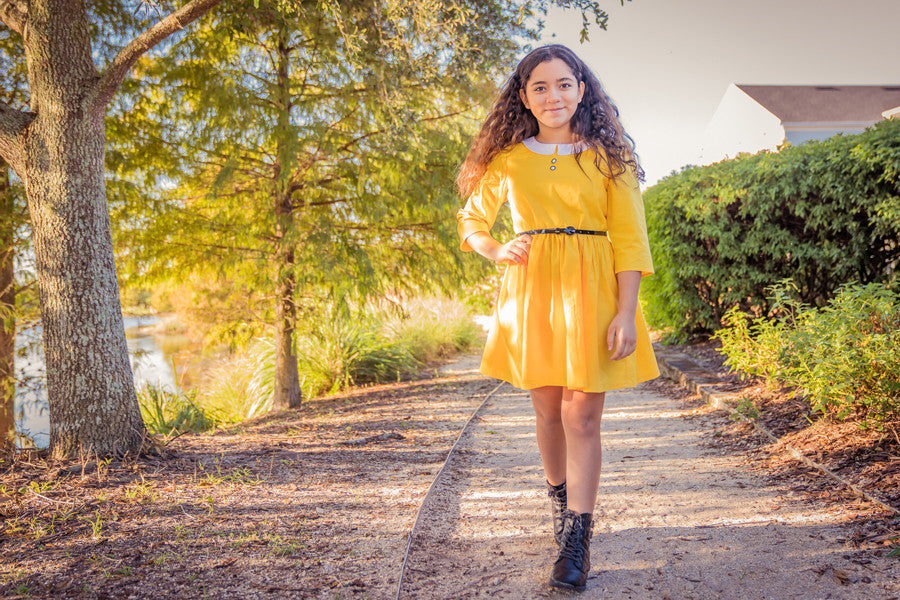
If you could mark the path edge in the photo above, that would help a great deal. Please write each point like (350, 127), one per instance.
(685, 371)
(419, 511)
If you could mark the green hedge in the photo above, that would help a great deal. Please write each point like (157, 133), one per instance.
(821, 214)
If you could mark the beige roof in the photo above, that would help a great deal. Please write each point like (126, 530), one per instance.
(825, 103)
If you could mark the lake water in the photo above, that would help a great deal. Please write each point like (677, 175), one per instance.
(148, 362)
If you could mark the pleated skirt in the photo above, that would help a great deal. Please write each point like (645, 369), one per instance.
(552, 316)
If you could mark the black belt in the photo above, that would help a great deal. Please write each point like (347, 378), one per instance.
(566, 230)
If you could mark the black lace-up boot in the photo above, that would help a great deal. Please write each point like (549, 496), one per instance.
(557, 495)
(571, 568)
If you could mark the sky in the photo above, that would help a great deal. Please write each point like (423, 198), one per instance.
(667, 63)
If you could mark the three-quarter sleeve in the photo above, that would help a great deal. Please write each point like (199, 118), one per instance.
(482, 207)
(627, 225)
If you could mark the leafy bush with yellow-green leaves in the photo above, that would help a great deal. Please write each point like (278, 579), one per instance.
(823, 214)
(844, 357)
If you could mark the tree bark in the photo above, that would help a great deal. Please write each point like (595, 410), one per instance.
(93, 406)
(57, 148)
(287, 380)
(7, 310)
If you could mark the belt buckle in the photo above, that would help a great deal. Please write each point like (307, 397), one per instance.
(569, 230)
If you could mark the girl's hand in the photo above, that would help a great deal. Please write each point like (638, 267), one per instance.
(513, 252)
(623, 334)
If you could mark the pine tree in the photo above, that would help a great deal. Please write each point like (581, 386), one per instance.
(312, 151)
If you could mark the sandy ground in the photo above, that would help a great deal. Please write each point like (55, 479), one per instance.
(677, 518)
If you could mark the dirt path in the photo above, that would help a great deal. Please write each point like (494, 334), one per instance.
(316, 504)
(307, 504)
(677, 519)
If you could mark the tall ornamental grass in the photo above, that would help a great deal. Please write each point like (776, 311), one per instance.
(242, 386)
(432, 328)
(341, 351)
(843, 357)
(168, 412)
(336, 349)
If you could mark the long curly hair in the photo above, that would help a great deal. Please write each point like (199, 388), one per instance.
(594, 125)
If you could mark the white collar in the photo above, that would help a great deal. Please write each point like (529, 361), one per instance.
(549, 149)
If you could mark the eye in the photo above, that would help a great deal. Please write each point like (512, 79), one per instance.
(538, 88)
(566, 85)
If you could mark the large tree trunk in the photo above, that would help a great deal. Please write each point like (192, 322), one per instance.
(287, 380)
(93, 407)
(57, 148)
(7, 310)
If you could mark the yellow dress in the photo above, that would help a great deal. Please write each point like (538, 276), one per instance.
(552, 314)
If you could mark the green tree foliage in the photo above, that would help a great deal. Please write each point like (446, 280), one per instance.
(352, 119)
(307, 152)
(822, 214)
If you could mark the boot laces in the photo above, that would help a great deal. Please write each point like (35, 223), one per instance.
(573, 547)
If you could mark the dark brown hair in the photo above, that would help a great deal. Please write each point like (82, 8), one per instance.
(595, 124)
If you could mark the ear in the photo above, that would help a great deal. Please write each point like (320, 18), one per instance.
(580, 90)
(525, 100)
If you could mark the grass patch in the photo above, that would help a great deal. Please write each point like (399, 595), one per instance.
(239, 476)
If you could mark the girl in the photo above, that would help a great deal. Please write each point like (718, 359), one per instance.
(567, 325)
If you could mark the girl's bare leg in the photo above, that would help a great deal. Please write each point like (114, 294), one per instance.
(551, 437)
(581, 412)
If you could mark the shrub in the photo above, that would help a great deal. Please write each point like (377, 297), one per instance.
(822, 213)
(845, 357)
(166, 412)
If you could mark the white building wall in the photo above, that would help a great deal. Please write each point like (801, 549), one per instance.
(740, 124)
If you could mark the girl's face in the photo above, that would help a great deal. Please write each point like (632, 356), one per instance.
(552, 94)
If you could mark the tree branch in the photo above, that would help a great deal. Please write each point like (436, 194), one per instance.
(22, 288)
(14, 14)
(12, 123)
(116, 71)
(346, 147)
(259, 252)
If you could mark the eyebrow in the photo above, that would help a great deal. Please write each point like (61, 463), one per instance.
(567, 78)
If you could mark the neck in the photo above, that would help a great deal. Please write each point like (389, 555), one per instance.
(555, 136)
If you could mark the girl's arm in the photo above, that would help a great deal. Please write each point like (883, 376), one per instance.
(513, 252)
(622, 330)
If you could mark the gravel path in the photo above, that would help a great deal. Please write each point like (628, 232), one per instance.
(677, 519)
